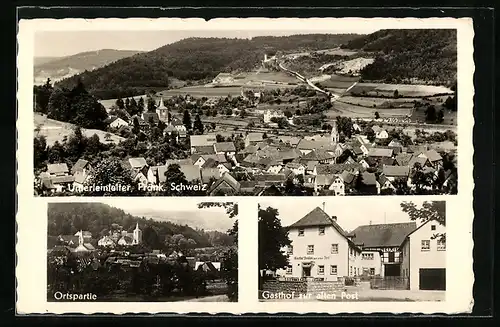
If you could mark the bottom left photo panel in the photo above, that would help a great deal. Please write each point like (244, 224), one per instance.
(123, 250)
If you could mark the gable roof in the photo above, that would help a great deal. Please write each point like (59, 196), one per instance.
(191, 172)
(396, 171)
(317, 155)
(147, 116)
(315, 144)
(419, 160)
(403, 159)
(368, 178)
(254, 137)
(202, 140)
(208, 173)
(79, 165)
(433, 155)
(380, 152)
(138, 162)
(204, 149)
(224, 147)
(229, 180)
(57, 168)
(382, 235)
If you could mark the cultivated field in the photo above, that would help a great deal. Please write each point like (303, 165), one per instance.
(339, 82)
(348, 110)
(54, 130)
(407, 90)
(354, 66)
(111, 102)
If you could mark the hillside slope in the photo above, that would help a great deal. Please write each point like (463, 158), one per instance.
(428, 56)
(193, 59)
(58, 68)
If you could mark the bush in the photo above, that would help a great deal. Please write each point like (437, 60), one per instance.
(349, 281)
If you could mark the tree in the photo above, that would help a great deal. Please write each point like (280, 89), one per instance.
(430, 114)
(186, 120)
(111, 172)
(40, 153)
(42, 95)
(429, 210)
(140, 105)
(272, 238)
(370, 135)
(377, 115)
(198, 125)
(396, 94)
(120, 104)
(174, 177)
(151, 104)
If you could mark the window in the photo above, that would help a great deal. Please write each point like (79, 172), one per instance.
(392, 257)
(333, 270)
(289, 270)
(290, 249)
(441, 245)
(367, 256)
(322, 230)
(396, 256)
(433, 227)
(310, 249)
(321, 270)
(301, 232)
(350, 271)
(426, 245)
(335, 249)
(372, 271)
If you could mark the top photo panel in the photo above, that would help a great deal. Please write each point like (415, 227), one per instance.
(358, 109)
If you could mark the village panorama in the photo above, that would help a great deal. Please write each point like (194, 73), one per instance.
(308, 114)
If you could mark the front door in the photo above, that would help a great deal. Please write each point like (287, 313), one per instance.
(306, 271)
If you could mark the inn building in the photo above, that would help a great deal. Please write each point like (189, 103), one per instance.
(381, 244)
(320, 249)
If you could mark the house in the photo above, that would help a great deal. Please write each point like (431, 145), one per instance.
(115, 122)
(226, 148)
(381, 247)
(333, 183)
(305, 146)
(381, 134)
(226, 185)
(82, 245)
(143, 125)
(56, 183)
(253, 138)
(141, 171)
(396, 172)
(296, 168)
(179, 126)
(207, 174)
(106, 241)
(433, 156)
(380, 152)
(424, 257)
(197, 142)
(318, 155)
(368, 184)
(421, 161)
(201, 160)
(385, 183)
(320, 248)
(191, 172)
(81, 172)
(57, 169)
(356, 127)
(395, 143)
(270, 114)
(403, 159)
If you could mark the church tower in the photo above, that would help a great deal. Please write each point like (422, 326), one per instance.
(334, 133)
(137, 235)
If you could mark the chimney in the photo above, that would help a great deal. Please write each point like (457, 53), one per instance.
(324, 206)
(334, 218)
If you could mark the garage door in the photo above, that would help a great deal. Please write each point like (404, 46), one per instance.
(433, 279)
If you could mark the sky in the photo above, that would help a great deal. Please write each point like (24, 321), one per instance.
(351, 212)
(65, 43)
(177, 210)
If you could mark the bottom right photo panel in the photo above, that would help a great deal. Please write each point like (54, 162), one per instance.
(318, 250)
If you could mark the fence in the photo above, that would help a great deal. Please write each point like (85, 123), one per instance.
(390, 283)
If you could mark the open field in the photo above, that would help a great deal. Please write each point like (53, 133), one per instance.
(378, 102)
(265, 76)
(450, 117)
(408, 90)
(354, 66)
(54, 130)
(344, 109)
(340, 82)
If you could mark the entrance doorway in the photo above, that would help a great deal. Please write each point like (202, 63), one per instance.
(392, 270)
(306, 271)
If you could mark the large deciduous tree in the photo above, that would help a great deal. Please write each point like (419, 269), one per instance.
(429, 210)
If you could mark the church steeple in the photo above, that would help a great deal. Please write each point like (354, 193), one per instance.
(334, 133)
(80, 238)
(137, 235)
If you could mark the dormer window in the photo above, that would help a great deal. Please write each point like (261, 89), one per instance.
(322, 230)
(301, 232)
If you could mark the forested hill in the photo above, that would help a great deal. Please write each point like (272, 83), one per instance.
(99, 218)
(193, 59)
(428, 55)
